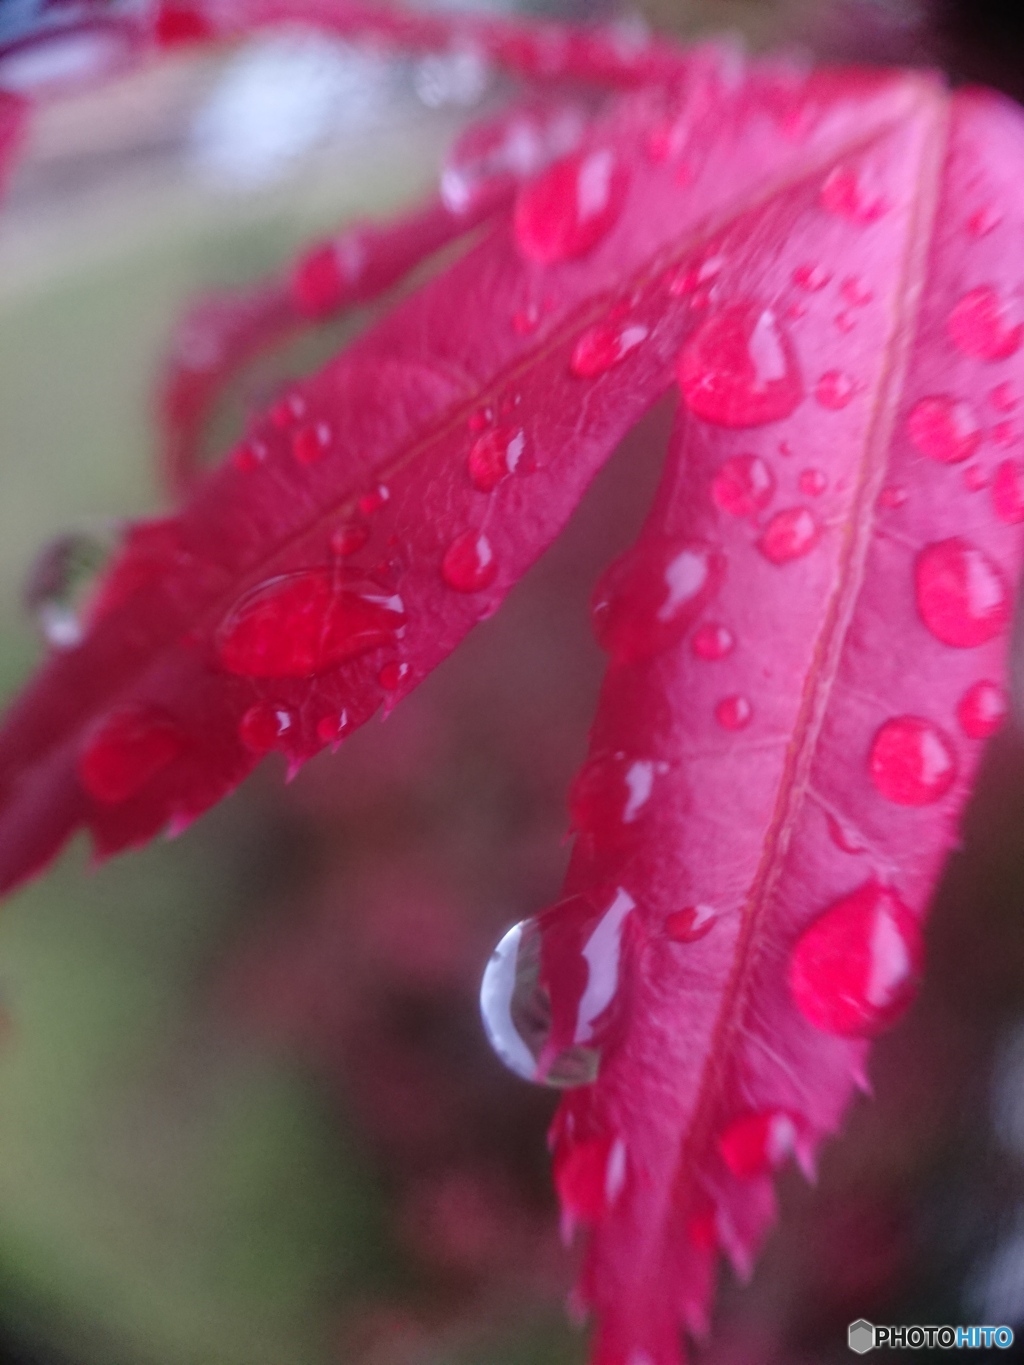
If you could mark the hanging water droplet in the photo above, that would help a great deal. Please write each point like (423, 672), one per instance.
(311, 442)
(758, 1144)
(648, 599)
(912, 763)
(602, 347)
(549, 995)
(739, 368)
(126, 750)
(349, 538)
(712, 641)
(982, 709)
(469, 564)
(691, 923)
(59, 583)
(1008, 491)
(813, 482)
(495, 455)
(743, 486)
(834, 390)
(392, 675)
(567, 210)
(302, 624)
(962, 595)
(266, 726)
(789, 535)
(846, 194)
(734, 713)
(811, 277)
(854, 971)
(981, 325)
(609, 795)
(333, 728)
(944, 428)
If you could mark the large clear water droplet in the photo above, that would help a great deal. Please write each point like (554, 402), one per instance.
(549, 996)
(469, 564)
(566, 211)
(739, 368)
(302, 624)
(962, 595)
(60, 581)
(912, 763)
(855, 969)
(649, 598)
(126, 750)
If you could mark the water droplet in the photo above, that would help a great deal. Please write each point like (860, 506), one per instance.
(845, 321)
(975, 478)
(392, 675)
(584, 1174)
(495, 455)
(962, 596)
(912, 763)
(610, 794)
(811, 277)
(60, 582)
(481, 419)
(846, 194)
(1003, 397)
(1004, 433)
(757, 1144)
(1008, 491)
(373, 501)
(126, 750)
(789, 535)
(690, 924)
(320, 280)
(854, 971)
(743, 486)
(944, 428)
(982, 709)
(813, 482)
(311, 442)
(984, 221)
(648, 599)
(288, 409)
(526, 320)
(302, 624)
(549, 995)
(712, 641)
(739, 368)
(469, 564)
(846, 839)
(567, 210)
(250, 455)
(349, 538)
(734, 713)
(892, 497)
(981, 326)
(853, 291)
(333, 728)
(266, 727)
(604, 346)
(834, 390)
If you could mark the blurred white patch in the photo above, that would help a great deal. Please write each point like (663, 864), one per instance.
(452, 79)
(997, 1293)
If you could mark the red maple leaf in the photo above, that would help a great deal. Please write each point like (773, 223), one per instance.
(807, 642)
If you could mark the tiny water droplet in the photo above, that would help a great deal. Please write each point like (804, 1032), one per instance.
(982, 709)
(734, 713)
(912, 763)
(126, 750)
(1008, 491)
(944, 428)
(567, 210)
(266, 726)
(302, 624)
(332, 729)
(975, 478)
(287, 410)
(834, 390)
(349, 538)
(648, 599)
(469, 564)
(549, 995)
(962, 595)
(743, 486)
(374, 500)
(691, 923)
(392, 675)
(853, 291)
(60, 581)
(610, 794)
(250, 455)
(984, 221)
(481, 419)
(739, 368)
(893, 497)
(311, 441)
(495, 455)
(854, 970)
(604, 346)
(981, 325)
(846, 194)
(813, 482)
(758, 1144)
(1003, 397)
(712, 641)
(791, 534)
(812, 278)
(526, 320)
